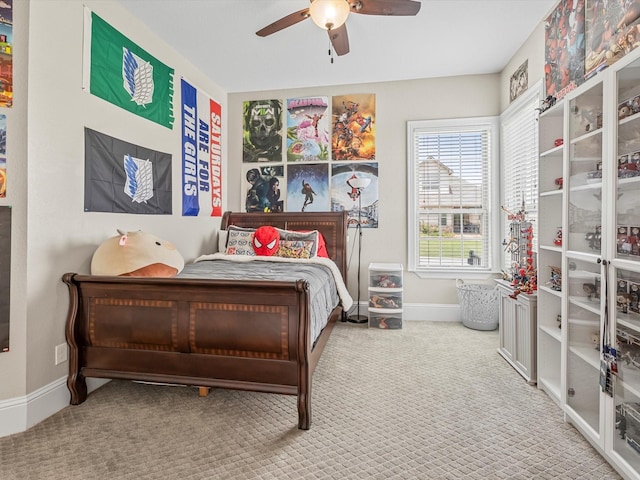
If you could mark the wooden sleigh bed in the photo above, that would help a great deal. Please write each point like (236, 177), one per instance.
(246, 335)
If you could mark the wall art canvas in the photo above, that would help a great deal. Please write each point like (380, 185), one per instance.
(6, 53)
(308, 136)
(262, 131)
(201, 153)
(612, 31)
(519, 81)
(3, 156)
(345, 197)
(564, 67)
(265, 188)
(353, 131)
(308, 187)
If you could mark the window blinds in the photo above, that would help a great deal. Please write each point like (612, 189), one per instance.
(519, 156)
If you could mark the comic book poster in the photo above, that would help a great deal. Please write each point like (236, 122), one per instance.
(263, 185)
(564, 48)
(307, 129)
(612, 29)
(308, 187)
(359, 203)
(353, 120)
(3, 156)
(6, 53)
(519, 81)
(262, 131)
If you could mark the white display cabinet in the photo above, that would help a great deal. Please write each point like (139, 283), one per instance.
(597, 206)
(385, 295)
(551, 149)
(517, 324)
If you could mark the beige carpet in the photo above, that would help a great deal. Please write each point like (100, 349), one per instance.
(430, 401)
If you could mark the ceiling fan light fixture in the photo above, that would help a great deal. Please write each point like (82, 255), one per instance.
(329, 14)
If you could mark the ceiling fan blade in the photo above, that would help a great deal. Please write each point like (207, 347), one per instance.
(340, 39)
(284, 22)
(385, 7)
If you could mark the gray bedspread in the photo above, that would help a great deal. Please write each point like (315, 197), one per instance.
(322, 287)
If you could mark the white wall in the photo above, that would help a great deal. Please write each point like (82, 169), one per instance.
(55, 235)
(396, 103)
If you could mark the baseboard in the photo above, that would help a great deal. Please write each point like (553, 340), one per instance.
(435, 312)
(21, 413)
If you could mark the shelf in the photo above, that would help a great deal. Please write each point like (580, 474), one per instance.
(586, 136)
(582, 302)
(551, 248)
(554, 152)
(546, 289)
(587, 353)
(554, 333)
(552, 193)
(552, 389)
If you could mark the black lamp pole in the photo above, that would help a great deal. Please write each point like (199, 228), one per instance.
(359, 318)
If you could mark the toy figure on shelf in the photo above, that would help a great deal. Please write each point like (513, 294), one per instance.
(594, 239)
(524, 278)
(547, 103)
(558, 238)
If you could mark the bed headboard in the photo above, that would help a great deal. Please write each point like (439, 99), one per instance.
(332, 225)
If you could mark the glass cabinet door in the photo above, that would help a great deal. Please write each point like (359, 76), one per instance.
(626, 266)
(628, 159)
(627, 388)
(585, 172)
(584, 308)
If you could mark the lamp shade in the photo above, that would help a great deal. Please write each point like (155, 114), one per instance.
(329, 14)
(358, 182)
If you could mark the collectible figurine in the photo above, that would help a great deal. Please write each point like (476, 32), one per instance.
(547, 103)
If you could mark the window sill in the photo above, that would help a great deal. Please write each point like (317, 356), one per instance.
(453, 274)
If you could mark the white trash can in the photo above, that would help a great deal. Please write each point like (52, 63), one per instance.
(479, 305)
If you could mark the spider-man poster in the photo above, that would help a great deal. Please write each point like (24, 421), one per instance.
(353, 127)
(361, 203)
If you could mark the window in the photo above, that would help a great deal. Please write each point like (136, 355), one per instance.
(519, 157)
(451, 168)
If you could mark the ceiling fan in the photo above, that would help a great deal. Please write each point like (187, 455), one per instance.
(332, 14)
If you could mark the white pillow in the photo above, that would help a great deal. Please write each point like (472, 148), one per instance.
(222, 240)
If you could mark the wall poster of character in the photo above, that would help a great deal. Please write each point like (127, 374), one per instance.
(519, 81)
(353, 134)
(264, 186)
(3, 156)
(345, 197)
(612, 32)
(262, 131)
(308, 187)
(308, 129)
(564, 49)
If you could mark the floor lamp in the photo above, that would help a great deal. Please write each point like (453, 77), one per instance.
(358, 184)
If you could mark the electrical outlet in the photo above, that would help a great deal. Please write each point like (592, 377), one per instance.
(61, 353)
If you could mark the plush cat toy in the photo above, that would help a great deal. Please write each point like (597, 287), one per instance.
(136, 254)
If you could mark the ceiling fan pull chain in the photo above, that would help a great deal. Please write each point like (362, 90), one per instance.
(330, 51)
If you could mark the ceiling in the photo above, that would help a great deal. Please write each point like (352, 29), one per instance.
(447, 37)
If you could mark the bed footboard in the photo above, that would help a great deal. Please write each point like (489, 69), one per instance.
(206, 333)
